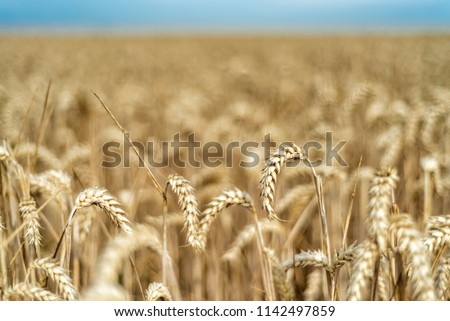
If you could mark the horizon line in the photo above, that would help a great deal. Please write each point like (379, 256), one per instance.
(236, 31)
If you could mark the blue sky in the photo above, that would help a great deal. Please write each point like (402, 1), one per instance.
(225, 15)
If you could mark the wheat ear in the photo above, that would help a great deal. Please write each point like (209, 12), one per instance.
(96, 196)
(306, 258)
(157, 292)
(85, 221)
(442, 280)
(45, 155)
(341, 257)
(295, 200)
(4, 154)
(380, 192)
(416, 259)
(438, 229)
(111, 259)
(100, 197)
(247, 235)
(429, 165)
(393, 146)
(30, 215)
(363, 271)
(227, 198)
(314, 285)
(29, 292)
(283, 287)
(384, 280)
(272, 171)
(189, 206)
(59, 275)
(50, 183)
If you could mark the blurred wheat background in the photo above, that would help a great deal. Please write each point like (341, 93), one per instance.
(387, 96)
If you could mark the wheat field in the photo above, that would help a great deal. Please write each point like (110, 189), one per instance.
(374, 228)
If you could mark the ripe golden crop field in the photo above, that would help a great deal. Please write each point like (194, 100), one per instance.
(225, 168)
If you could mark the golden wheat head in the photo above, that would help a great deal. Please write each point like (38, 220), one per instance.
(272, 171)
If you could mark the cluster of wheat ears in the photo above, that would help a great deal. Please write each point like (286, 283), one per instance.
(374, 230)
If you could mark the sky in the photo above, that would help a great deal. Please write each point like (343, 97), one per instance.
(225, 15)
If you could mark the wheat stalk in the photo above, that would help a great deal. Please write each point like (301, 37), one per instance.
(189, 206)
(157, 292)
(59, 275)
(272, 171)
